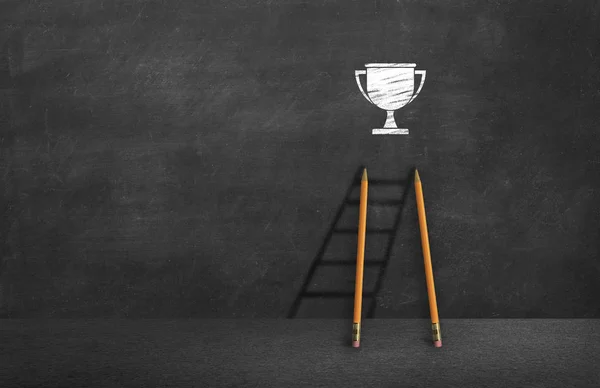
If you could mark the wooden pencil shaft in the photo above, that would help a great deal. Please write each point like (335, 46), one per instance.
(426, 252)
(360, 254)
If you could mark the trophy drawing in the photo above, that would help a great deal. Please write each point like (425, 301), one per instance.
(390, 86)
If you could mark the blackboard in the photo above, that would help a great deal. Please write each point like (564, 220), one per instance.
(185, 158)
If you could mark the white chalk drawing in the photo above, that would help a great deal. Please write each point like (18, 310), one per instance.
(390, 86)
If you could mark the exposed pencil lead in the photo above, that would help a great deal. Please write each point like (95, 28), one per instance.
(417, 178)
(364, 176)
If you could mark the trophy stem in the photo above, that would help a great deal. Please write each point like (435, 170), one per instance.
(390, 122)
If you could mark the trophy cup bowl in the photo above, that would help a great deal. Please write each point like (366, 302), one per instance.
(390, 86)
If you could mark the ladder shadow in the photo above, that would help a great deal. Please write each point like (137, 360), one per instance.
(346, 297)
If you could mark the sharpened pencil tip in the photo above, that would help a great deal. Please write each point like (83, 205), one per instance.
(364, 176)
(417, 178)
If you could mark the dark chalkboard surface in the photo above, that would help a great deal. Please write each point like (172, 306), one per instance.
(188, 158)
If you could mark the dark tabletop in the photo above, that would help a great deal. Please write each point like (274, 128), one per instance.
(299, 353)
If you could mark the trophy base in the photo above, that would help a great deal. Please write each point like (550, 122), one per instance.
(390, 131)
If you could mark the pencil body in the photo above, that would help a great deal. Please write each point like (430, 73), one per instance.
(360, 260)
(435, 322)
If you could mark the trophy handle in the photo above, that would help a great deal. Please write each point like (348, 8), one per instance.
(422, 74)
(357, 74)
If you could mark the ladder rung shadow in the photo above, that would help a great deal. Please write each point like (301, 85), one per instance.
(368, 263)
(327, 294)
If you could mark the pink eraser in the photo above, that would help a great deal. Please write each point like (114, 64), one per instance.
(437, 344)
(355, 344)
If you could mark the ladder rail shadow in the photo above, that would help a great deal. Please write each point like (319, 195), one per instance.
(319, 257)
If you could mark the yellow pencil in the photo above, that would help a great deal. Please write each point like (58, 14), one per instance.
(360, 260)
(435, 321)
